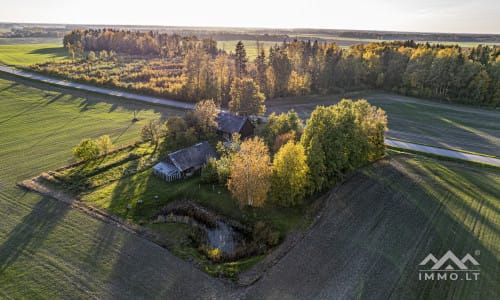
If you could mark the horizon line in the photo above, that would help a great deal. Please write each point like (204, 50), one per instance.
(250, 27)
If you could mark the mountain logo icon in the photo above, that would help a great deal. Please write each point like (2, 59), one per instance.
(449, 261)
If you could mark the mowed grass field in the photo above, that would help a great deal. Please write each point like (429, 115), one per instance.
(417, 120)
(28, 54)
(50, 251)
(250, 46)
(383, 221)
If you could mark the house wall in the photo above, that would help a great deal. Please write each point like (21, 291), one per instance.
(168, 177)
(247, 130)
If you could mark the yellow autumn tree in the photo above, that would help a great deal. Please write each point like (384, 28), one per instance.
(251, 168)
(289, 176)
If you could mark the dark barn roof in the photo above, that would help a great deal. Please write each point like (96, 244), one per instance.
(191, 157)
(230, 123)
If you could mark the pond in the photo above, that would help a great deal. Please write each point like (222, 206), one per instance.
(222, 237)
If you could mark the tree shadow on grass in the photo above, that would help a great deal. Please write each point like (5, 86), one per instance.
(12, 85)
(25, 111)
(54, 51)
(31, 232)
(438, 231)
(377, 227)
(54, 99)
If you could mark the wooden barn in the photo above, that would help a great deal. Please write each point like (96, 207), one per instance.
(228, 123)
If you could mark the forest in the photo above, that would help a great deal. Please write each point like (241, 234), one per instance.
(291, 68)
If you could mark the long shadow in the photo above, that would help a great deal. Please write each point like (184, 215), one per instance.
(443, 232)
(55, 51)
(156, 273)
(55, 99)
(31, 232)
(377, 228)
(9, 86)
(92, 99)
(54, 132)
(24, 111)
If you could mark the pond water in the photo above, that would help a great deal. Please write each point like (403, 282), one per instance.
(223, 237)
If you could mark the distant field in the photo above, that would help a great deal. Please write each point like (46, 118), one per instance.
(250, 46)
(31, 40)
(419, 121)
(28, 54)
(346, 41)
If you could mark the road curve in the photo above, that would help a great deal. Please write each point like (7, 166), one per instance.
(183, 105)
(444, 152)
(104, 91)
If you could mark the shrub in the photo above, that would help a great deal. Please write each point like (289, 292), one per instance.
(209, 171)
(264, 236)
(86, 150)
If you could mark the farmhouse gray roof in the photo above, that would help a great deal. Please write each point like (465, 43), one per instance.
(191, 157)
(230, 123)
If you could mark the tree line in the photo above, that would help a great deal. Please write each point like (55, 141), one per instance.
(299, 68)
(135, 42)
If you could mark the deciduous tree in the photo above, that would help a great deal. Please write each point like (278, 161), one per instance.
(246, 98)
(152, 131)
(104, 143)
(86, 150)
(289, 176)
(250, 171)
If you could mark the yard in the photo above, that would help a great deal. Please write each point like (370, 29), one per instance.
(128, 188)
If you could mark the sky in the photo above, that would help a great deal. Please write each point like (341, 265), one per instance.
(460, 16)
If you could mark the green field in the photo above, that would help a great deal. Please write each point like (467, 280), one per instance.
(28, 54)
(49, 251)
(418, 121)
(250, 46)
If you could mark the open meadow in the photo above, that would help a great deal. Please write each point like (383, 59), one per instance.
(250, 46)
(417, 120)
(28, 54)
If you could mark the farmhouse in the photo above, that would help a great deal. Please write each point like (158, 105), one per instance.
(228, 123)
(184, 162)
